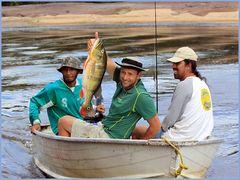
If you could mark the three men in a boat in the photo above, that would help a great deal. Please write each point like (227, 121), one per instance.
(189, 115)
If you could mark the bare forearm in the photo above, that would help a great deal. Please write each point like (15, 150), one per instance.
(153, 129)
(150, 133)
(111, 66)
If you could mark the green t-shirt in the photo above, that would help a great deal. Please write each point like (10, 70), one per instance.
(59, 100)
(127, 108)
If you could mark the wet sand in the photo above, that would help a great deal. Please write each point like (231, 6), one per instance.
(53, 14)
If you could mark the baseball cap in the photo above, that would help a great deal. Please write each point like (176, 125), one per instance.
(183, 53)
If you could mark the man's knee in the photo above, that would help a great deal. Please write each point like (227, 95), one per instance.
(65, 123)
(61, 122)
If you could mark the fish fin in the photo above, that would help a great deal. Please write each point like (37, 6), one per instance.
(81, 94)
(85, 63)
(90, 45)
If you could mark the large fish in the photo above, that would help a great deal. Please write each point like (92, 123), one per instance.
(93, 72)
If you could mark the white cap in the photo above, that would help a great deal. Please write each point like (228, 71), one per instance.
(183, 53)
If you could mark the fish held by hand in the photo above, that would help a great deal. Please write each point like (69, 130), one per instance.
(93, 72)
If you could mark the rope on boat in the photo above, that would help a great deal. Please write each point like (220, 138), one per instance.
(181, 164)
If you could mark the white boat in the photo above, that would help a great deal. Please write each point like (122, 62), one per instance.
(64, 157)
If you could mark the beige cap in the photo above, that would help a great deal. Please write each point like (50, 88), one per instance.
(183, 53)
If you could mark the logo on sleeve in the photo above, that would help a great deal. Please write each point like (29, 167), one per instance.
(206, 99)
(64, 102)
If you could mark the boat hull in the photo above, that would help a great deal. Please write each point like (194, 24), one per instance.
(63, 157)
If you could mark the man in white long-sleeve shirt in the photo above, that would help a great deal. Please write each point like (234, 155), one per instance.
(190, 115)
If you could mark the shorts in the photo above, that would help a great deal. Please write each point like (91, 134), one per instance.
(83, 129)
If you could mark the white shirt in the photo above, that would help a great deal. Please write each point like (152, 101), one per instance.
(190, 115)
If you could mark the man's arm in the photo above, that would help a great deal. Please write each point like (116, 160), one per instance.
(153, 129)
(181, 96)
(111, 66)
(146, 108)
(41, 100)
(34, 112)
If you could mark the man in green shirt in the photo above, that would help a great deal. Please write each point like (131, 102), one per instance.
(61, 97)
(130, 103)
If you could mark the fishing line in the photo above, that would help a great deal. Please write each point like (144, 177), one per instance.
(155, 49)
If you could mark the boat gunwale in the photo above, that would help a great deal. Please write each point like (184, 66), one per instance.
(156, 142)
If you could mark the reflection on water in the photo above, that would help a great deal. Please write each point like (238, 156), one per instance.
(30, 59)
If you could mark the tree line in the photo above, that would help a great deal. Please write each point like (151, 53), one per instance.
(20, 3)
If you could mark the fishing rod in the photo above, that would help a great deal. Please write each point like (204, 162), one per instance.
(155, 49)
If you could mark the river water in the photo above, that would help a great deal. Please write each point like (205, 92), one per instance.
(30, 58)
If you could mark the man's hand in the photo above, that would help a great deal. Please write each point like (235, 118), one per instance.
(91, 42)
(36, 127)
(100, 108)
(111, 66)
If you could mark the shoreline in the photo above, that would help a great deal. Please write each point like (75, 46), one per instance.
(70, 14)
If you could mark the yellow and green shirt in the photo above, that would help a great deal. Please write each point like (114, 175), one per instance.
(127, 108)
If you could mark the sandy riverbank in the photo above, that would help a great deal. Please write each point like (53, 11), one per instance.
(54, 14)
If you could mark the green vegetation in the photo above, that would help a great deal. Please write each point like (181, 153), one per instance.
(17, 3)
